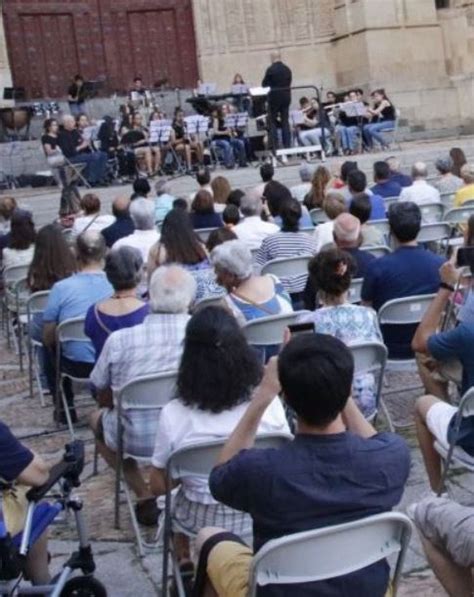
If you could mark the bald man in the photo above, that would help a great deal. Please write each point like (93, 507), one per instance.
(123, 225)
(278, 77)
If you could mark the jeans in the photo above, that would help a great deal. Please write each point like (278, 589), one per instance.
(349, 135)
(96, 165)
(77, 108)
(314, 137)
(230, 149)
(371, 132)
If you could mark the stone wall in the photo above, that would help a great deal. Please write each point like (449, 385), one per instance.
(5, 74)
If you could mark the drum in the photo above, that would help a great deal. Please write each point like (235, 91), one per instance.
(16, 119)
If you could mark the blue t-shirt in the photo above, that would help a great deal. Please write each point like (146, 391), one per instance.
(408, 271)
(14, 456)
(72, 297)
(403, 179)
(312, 482)
(121, 228)
(389, 188)
(378, 211)
(362, 258)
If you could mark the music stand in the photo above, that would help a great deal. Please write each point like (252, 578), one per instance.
(14, 93)
(207, 88)
(297, 117)
(240, 89)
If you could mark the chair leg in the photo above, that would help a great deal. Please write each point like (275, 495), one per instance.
(66, 410)
(118, 475)
(36, 369)
(95, 468)
(133, 516)
(383, 406)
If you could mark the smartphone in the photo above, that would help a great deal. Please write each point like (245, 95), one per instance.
(301, 328)
(465, 257)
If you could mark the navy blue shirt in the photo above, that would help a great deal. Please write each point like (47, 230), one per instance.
(389, 188)
(121, 228)
(14, 457)
(212, 220)
(312, 482)
(363, 259)
(408, 271)
(402, 179)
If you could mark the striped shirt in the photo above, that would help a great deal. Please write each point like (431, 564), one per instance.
(287, 244)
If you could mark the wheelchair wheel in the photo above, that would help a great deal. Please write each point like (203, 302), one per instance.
(83, 586)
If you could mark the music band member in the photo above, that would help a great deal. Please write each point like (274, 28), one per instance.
(383, 115)
(225, 140)
(76, 96)
(135, 135)
(183, 143)
(277, 76)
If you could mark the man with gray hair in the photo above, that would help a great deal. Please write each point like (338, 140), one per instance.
(145, 235)
(300, 191)
(252, 229)
(164, 200)
(420, 192)
(152, 347)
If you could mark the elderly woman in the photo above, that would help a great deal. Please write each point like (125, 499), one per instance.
(123, 268)
(249, 296)
(447, 181)
(91, 218)
(331, 272)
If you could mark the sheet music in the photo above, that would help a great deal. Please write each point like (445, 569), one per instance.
(239, 89)
(256, 91)
(160, 131)
(353, 109)
(297, 117)
(242, 119)
(207, 89)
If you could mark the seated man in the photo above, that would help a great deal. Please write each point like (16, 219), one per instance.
(69, 298)
(396, 175)
(357, 182)
(300, 191)
(78, 151)
(151, 347)
(337, 469)
(435, 419)
(347, 236)
(465, 193)
(123, 225)
(447, 533)
(420, 192)
(384, 185)
(20, 465)
(267, 172)
(252, 229)
(409, 271)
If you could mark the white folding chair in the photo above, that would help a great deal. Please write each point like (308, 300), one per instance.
(212, 301)
(35, 304)
(146, 393)
(308, 229)
(382, 226)
(69, 330)
(377, 250)
(388, 202)
(268, 331)
(204, 233)
(432, 212)
(355, 289)
(197, 460)
(468, 203)
(12, 276)
(435, 232)
(447, 199)
(449, 451)
(458, 215)
(287, 266)
(318, 216)
(371, 357)
(333, 551)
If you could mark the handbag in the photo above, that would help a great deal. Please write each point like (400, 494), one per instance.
(14, 506)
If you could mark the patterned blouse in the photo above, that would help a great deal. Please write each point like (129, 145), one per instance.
(351, 324)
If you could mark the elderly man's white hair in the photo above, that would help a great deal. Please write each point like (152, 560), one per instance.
(419, 170)
(142, 212)
(172, 289)
(234, 257)
(305, 172)
(68, 118)
(251, 204)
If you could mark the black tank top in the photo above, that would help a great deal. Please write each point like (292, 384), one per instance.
(388, 113)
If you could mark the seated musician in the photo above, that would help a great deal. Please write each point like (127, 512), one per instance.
(79, 151)
(225, 140)
(349, 128)
(136, 137)
(76, 95)
(383, 116)
(138, 91)
(310, 132)
(183, 143)
(242, 102)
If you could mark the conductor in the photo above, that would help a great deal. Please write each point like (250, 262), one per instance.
(278, 75)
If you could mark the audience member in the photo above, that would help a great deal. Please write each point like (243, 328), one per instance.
(219, 236)
(346, 168)
(347, 236)
(123, 225)
(69, 298)
(91, 218)
(310, 482)
(357, 183)
(181, 203)
(360, 208)
(385, 186)
(180, 244)
(459, 159)
(395, 173)
(447, 181)
(221, 189)
(332, 272)
(163, 200)
(151, 347)
(7, 207)
(203, 214)
(235, 197)
(267, 172)
(465, 193)
(288, 242)
(21, 244)
(203, 178)
(217, 375)
(319, 183)
(409, 271)
(333, 206)
(420, 192)
(252, 229)
(141, 189)
(231, 216)
(300, 191)
(276, 194)
(249, 296)
(123, 268)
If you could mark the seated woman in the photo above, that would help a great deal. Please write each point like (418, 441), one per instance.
(123, 268)
(249, 296)
(319, 185)
(135, 136)
(275, 195)
(312, 131)
(183, 143)
(180, 244)
(221, 190)
(383, 118)
(331, 272)
(217, 375)
(203, 214)
(21, 243)
(224, 140)
(91, 218)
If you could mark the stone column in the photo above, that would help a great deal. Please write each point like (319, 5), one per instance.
(5, 73)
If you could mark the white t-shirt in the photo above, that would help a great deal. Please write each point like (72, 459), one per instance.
(323, 234)
(253, 230)
(143, 240)
(180, 425)
(13, 257)
(99, 223)
(420, 192)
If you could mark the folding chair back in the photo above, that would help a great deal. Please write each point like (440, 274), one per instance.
(204, 233)
(432, 212)
(377, 250)
(36, 303)
(71, 330)
(447, 199)
(331, 552)
(371, 357)
(468, 203)
(212, 301)
(405, 311)
(287, 266)
(308, 229)
(434, 232)
(266, 331)
(388, 202)
(381, 225)
(318, 216)
(13, 274)
(458, 215)
(355, 290)
(147, 392)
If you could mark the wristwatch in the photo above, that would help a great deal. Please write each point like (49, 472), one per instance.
(447, 286)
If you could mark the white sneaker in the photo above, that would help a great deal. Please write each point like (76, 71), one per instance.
(284, 159)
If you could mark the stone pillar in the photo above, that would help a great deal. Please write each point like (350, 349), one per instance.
(5, 73)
